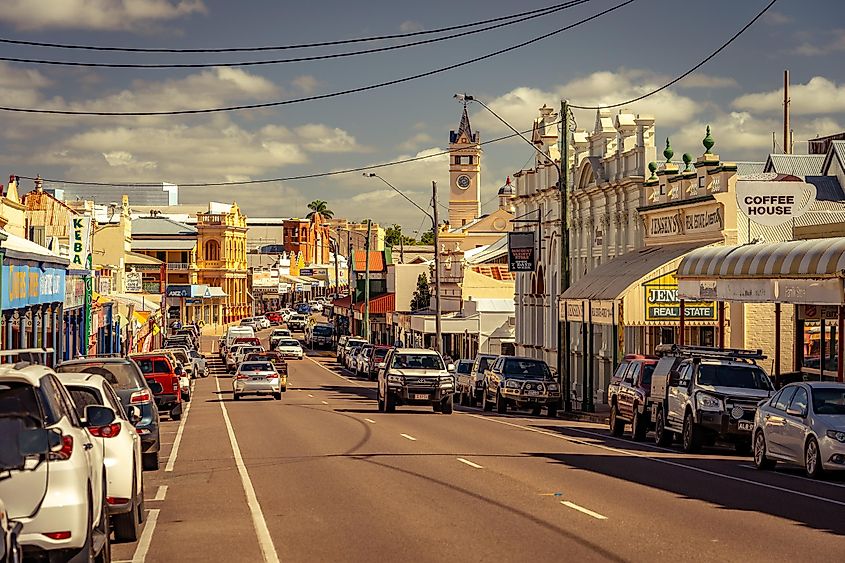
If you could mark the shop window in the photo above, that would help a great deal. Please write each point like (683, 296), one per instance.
(212, 250)
(707, 336)
(820, 346)
(667, 335)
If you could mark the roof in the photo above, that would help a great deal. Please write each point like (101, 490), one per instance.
(463, 127)
(163, 244)
(827, 188)
(379, 305)
(812, 258)
(837, 151)
(25, 249)
(492, 251)
(161, 226)
(376, 261)
(795, 164)
(138, 258)
(611, 279)
(744, 168)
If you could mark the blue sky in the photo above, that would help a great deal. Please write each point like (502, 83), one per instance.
(619, 55)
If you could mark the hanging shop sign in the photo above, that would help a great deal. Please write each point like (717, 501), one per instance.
(572, 311)
(603, 312)
(80, 241)
(521, 256)
(74, 291)
(178, 291)
(774, 203)
(746, 291)
(25, 285)
(134, 282)
(663, 302)
(817, 312)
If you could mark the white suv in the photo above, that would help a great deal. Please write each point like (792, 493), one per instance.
(413, 376)
(62, 503)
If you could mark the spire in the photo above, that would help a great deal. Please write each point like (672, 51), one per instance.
(464, 127)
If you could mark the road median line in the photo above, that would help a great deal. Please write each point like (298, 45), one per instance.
(583, 510)
(471, 464)
(171, 461)
(408, 437)
(146, 539)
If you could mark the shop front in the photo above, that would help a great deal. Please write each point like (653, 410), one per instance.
(199, 304)
(74, 339)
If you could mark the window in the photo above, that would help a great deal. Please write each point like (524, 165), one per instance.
(463, 159)
(648, 370)
(828, 400)
(82, 397)
(662, 189)
(782, 400)
(799, 402)
(821, 340)
(633, 373)
(212, 250)
(727, 375)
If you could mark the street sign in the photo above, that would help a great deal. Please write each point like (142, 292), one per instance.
(134, 282)
(521, 256)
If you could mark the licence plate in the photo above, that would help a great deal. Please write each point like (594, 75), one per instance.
(532, 392)
(257, 378)
(745, 425)
(420, 397)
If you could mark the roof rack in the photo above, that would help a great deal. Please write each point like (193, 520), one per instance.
(27, 356)
(708, 352)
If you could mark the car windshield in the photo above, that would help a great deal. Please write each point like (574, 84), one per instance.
(153, 366)
(418, 361)
(741, 376)
(523, 368)
(828, 400)
(18, 399)
(249, 349)
(464, 367)
(380, 353)
(257, 366)
(322, 331)
(288, 342)
(120, 375)
(648, 370)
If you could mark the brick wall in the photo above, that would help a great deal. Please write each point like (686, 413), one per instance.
(760, 333)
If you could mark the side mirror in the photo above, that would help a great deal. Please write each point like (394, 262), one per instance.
(178, 370)
(98, 415)
(134, 415)
(796, 412)
(155, 387)
(450, 367)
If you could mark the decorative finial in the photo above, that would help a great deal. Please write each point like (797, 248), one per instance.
(668, 153)
(687, 158)
(708, 142)
(652, 166)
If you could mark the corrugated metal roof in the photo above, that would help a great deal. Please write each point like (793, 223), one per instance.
(827, 188)
(376, 261)
(795, 164)
(163, 244)
(611, 279)
(160, 226)
(745, 168)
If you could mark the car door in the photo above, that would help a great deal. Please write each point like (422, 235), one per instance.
(626, 390)
(795, 427)
(774, 420)
(493, 376)
(678, 394)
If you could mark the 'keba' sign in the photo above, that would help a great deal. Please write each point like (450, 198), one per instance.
(774, 203)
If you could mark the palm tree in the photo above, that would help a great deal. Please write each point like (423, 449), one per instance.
(321, 208)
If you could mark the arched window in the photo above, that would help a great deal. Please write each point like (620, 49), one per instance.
(212, 250)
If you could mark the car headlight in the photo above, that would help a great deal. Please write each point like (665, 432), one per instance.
(446, 382)
(553, 388)
(708, 402)
(395, 379)
(837, 435)
(512, 384)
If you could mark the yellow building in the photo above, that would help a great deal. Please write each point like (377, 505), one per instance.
(221, 257)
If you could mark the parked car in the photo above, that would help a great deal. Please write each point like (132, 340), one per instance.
(464, 386)
(278, 334)
(134, 391)
(350, 343)
(414, 376)
(183, 340)
(157, 367)
(474, 384)
(122, 452)
(61, 503)
(362, 360)
(200, 364)
(803, 424)
(350, 357)
(180, 371)
(377, 361)
(628, 394)
(257, 378)
(518, 382)
(290, 348)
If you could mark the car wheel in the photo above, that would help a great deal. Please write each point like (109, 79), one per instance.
(150, 461)
(389, 403)
(435, 406)
(552, 411)
(126, 526)
(447, 406)
(486, 404)
(639, 428)
(536, 411)
(501, 404)
(380, 402)
(812, 459)
(236, 396)
(760, 459)
(186, 397)
(175, 415)
(692, 436)
(277, 396)
(662, 437)
(617, 427)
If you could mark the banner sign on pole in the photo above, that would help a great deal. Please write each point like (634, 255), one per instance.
(80, 241)
(521, 251)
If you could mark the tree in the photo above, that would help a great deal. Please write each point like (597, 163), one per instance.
(321, 208)
(427, 238)
(393, 236)
(422, 295)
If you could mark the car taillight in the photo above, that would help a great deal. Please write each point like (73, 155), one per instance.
(140, 397)
(108, 431)
(175, 384)
(58, 535)
(273, 376)
(65, 452)
(241, 376)
(117, 500)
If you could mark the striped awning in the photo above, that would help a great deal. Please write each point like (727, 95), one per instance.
(813, 258)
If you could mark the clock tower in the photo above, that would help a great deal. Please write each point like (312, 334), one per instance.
(464, 174)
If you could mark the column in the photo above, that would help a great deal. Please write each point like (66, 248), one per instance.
(24, 326)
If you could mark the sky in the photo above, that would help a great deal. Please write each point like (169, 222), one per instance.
(612, 58)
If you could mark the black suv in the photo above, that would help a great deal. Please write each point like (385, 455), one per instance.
(521, 383)
(132, 388)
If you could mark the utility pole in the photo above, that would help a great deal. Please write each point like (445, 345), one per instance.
(335, 244)
(563, 360)
(366, 333)
(787, 141)
(350, 261)
(401, 246)
(438, 320)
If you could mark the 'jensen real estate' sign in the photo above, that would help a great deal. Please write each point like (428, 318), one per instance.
(521, 252)
(774, 203)
(663, 303)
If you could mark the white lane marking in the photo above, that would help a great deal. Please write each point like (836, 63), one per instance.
(583, 510)
(324, 402)
(661, 460)
(468, 462)
(346, 379)
(174, 451)
(143, 547)
(265, 541)
(407, 437)
(801, 477)
(310, 395)
(160, 493)
(370, 420)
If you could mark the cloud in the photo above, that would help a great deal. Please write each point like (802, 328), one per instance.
(307, 84)
(774, 17)
(126, 15)
(317, 137)
(416, 141)
(410, 26)
(818, 96)
(701, 80)
(831, 42)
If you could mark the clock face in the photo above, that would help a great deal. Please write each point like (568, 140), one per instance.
(463, 181)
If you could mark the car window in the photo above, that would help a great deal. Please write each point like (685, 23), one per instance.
(686, 371)
(483, 363)
(67, 403)
(257, 366)
(149, 365)
(633, 373)
(114, 401)
(288, 342)
(380, 354)
(54, 407)
(648, 371)
(463, 367)
(525, 368)
(784, 397)
(829, 400)
(20, 398)
(82, 397)
(732, 375)
(120, 376)
(800, 400)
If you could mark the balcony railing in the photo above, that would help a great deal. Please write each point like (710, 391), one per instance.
(178, 266)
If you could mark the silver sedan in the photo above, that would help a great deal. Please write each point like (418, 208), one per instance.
(804, 424)
(257, 378)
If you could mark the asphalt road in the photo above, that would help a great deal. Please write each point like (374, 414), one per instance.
(323, 476)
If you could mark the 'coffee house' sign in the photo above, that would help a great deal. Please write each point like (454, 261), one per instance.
(774, 203)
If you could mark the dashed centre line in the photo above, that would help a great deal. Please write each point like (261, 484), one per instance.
(370, 420)
(174, 450)
(310, 395)
(407, 437)
(324, 402)
(160, 493)
(471, 464)
(583, 510)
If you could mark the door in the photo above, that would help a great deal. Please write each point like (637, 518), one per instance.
(678, 395)
(626, 390)
(774, 419)
(794, 427)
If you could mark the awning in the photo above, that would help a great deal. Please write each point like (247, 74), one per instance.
(24, 249)
(379, 305)
(138, 258)
(427, 324)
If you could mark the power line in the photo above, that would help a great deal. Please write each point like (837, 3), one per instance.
(273, 48)
(687, 73)
(328, 95)
(154, 66)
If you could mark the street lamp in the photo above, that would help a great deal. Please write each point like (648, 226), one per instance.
(563, 190)
(438, 314)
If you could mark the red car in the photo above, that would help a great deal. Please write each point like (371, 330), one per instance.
(627, 393)
(157, 367)
(275, 318)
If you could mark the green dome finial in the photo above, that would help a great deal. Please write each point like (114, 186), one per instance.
(652, 167)
(668, 153)
(687, 158)
(708, 142)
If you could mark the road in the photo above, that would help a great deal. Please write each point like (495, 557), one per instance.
(323, 476)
